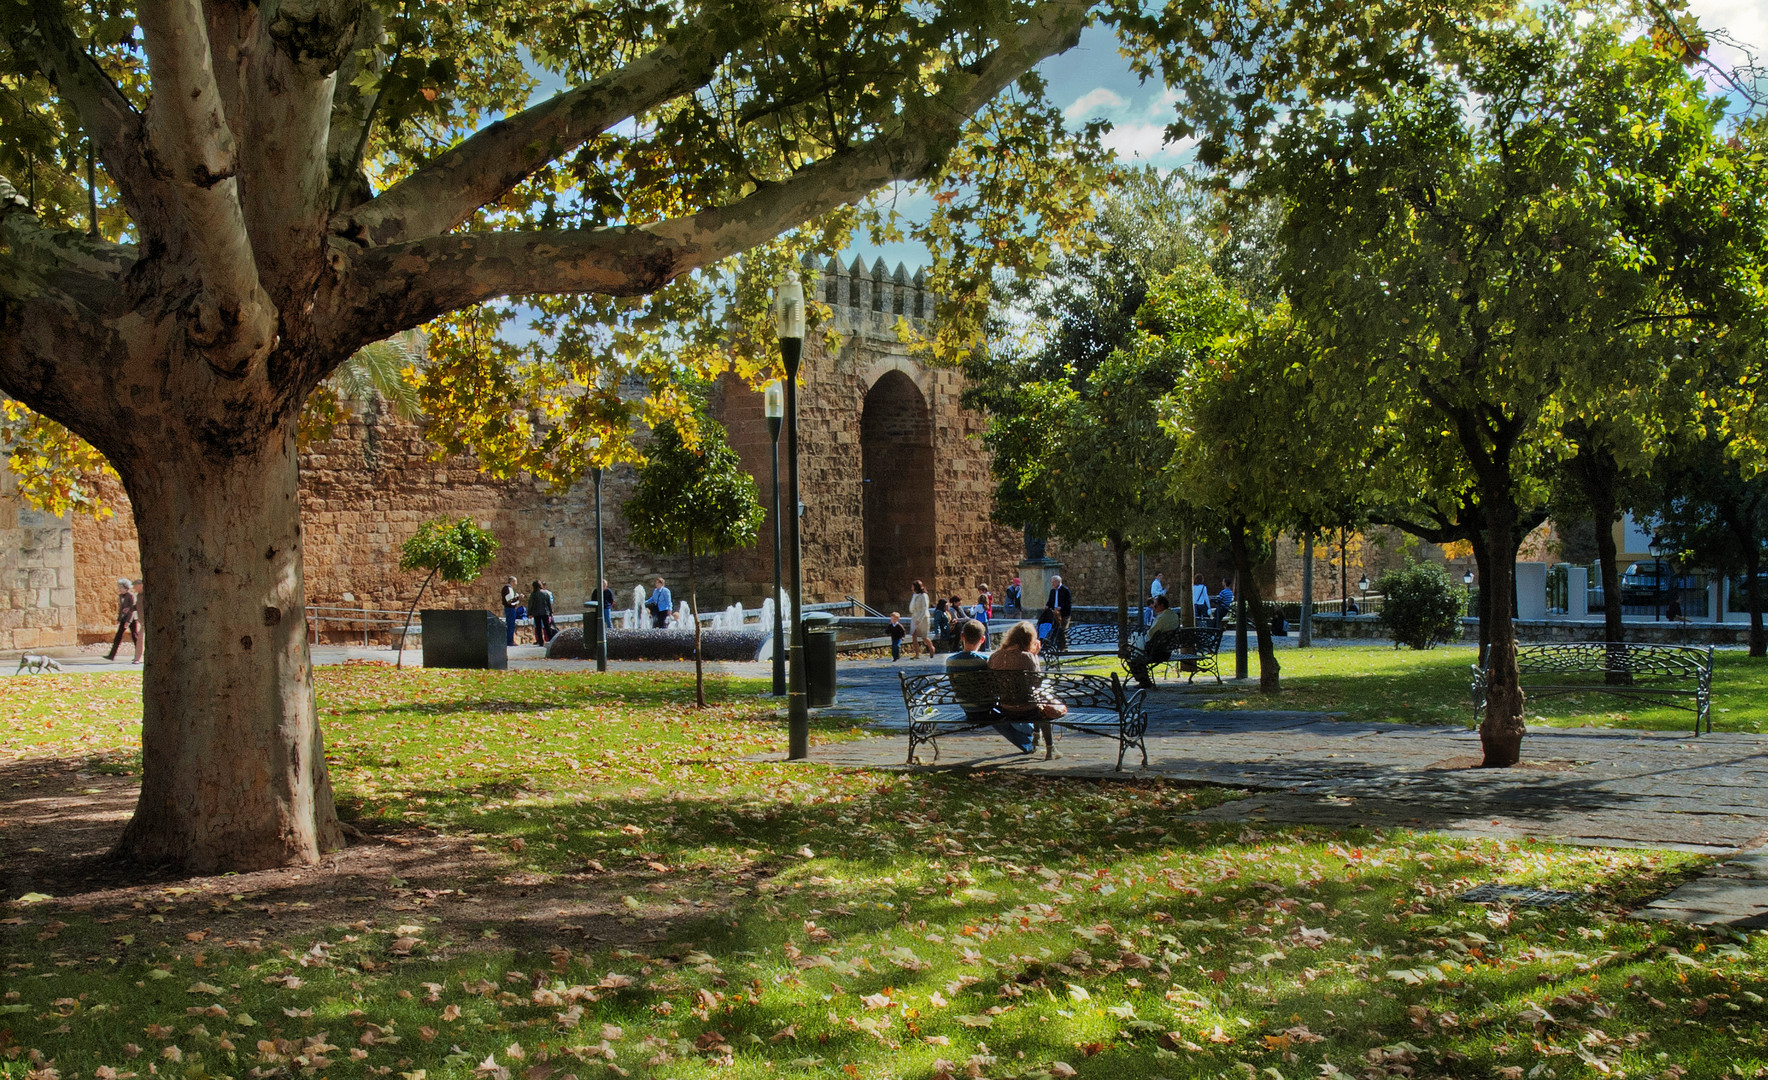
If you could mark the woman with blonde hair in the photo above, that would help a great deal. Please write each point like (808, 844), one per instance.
(1025, 702)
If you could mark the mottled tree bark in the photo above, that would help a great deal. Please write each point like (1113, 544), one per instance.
(1502, 730)
(233, 765)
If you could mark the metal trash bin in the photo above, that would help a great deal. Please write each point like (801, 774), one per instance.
(819, 659)
(592, 626)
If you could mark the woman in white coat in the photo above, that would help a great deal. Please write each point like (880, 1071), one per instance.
(920, 622)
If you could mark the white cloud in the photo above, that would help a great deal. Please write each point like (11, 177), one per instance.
(1093, 103)
(1746, 21)
(1145, 144)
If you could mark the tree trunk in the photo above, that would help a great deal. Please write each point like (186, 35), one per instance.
(1482, 561)
(1268, 668)
(1120, 548)
(1599, 491)
(233, 774)
(694, 615)
(1612, 630)
(1501, 732)
(403, 630)
(1752, 562)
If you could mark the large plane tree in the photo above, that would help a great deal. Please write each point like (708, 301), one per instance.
(208, 206)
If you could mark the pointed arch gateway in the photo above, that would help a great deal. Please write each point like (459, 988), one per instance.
(896, 454)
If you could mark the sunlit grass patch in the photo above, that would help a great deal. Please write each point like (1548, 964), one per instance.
(654, 904)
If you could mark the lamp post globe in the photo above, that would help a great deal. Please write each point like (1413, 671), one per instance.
(774, 405)
(1363, 584)
(789, 327)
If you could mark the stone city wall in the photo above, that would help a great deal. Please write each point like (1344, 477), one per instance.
(37, 606)
(366, 490)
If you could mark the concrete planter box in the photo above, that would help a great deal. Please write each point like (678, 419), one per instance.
(464, 639)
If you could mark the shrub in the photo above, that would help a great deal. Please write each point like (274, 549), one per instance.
(1421, 606)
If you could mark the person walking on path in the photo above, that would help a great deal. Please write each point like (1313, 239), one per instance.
(1061, 601)
(1156, 588)
(540, 610)
(976, 695)
(511, 598)
(985, 598)
(607, 605)
(140, 621)
(660, 604)
(127, 622)
(897, 632)
(920, 621)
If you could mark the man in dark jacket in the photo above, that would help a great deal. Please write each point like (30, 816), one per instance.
(1062, 603)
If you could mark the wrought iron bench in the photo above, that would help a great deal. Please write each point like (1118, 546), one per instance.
(1191, 649)
(1677, 676)
(1082, 639)
(948, 704)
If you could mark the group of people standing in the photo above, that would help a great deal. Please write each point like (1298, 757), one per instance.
(941, 620)
(538, 605)
(1209, 610)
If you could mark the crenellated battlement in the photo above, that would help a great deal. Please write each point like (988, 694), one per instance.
(867, 301)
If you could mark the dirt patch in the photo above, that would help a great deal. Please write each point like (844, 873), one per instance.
(1473, 761)
(59, 820)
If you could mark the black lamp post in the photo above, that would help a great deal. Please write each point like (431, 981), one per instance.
(789, 325)
(601, 594)
(774, 401)
(1363, 588)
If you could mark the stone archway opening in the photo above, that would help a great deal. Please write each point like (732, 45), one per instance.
(896, 454)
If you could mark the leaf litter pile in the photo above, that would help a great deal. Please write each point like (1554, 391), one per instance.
(564, 875)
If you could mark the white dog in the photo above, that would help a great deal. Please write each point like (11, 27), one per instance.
(37, 665)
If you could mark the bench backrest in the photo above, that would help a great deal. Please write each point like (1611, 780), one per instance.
(1597, 657)
(980, 688)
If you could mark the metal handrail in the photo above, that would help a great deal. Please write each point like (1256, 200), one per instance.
(873, 612)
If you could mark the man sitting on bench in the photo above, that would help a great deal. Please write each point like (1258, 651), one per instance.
(976, 693)
(1166, 620)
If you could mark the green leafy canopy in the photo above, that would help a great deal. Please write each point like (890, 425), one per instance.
(457, 550)
(693, 498)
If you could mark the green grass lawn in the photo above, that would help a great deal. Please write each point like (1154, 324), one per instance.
(1381, 684)
(596, 883)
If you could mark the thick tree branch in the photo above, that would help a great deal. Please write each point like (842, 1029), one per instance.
(118, 131)
(403, 285)
(191, 141)
(449, 188)
(55, 289)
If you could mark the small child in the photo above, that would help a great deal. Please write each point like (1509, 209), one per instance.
(897, 632)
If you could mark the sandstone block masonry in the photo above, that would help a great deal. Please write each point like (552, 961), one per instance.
(36, 574)
(895, 483)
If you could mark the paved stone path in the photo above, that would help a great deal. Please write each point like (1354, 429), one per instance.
(1585, 786)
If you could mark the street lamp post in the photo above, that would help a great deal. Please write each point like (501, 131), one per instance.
(601, 596)
(1363, 588)
(789, 325)
(775, 406)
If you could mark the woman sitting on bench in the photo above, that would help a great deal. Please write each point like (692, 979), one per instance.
(1018, 652)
